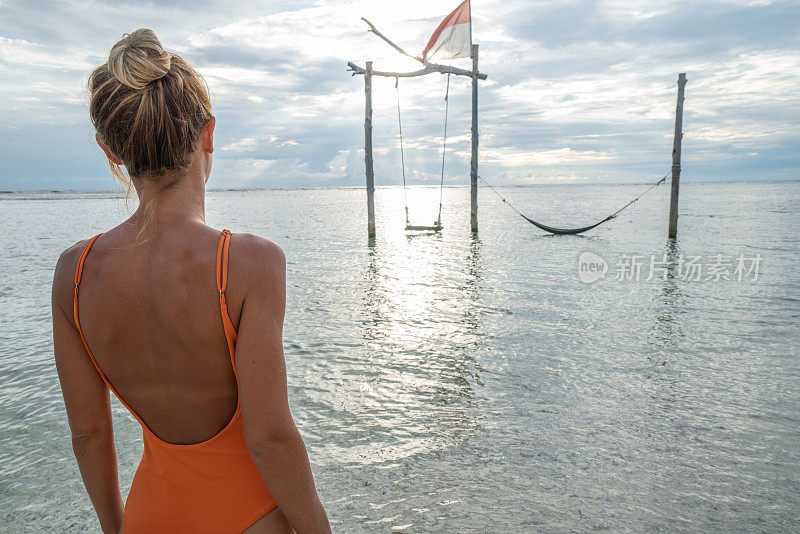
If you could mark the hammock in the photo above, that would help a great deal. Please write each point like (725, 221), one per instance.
(580, 230)
(566, 231)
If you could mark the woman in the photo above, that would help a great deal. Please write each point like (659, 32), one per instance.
(137, 310)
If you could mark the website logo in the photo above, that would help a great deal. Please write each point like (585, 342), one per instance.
(591, 267)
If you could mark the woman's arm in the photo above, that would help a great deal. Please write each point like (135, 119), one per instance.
(272, 437)
(87, 402)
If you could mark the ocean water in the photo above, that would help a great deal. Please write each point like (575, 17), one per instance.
(445, 383)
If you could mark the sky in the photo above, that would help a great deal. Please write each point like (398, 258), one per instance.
(577, 91)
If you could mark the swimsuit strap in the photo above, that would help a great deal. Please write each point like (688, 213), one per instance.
(222, 284)
(82, 259)
(78, 275)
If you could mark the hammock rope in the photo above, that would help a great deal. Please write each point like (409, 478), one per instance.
(580, 230)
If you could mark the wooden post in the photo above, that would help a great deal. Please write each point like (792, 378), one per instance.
(676, 159)
(368, 152)
(473, 175)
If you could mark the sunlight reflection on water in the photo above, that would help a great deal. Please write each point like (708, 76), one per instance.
(445, 382)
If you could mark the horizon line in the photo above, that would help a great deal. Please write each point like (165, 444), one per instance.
(387, 186)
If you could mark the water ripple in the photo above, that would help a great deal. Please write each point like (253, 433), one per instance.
(451, 383)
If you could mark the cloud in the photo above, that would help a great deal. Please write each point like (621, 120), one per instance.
(577, 90)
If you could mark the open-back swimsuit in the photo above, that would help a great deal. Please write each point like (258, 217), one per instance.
(207, 487)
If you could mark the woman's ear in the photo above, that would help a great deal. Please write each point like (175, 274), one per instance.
(110, 155)
(208, 134)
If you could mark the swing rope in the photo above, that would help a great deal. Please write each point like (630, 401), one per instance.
(444, 148)
(438, 224)
(402, 156)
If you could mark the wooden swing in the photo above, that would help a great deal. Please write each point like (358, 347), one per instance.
(437, 224)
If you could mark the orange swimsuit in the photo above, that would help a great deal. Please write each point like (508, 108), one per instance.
(212, 486)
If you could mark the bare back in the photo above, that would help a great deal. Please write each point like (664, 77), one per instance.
(151, 316)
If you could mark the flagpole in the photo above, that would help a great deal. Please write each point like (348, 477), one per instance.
(374, 30)
(473, 188)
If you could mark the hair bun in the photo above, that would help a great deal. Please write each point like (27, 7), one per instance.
(138, 59)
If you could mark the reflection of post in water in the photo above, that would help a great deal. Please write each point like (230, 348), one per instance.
(474, 268)
(664, 394)
(472, 309)
(373, 299)
(670, 301)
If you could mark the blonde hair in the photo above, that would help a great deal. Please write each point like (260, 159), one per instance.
(148, 107)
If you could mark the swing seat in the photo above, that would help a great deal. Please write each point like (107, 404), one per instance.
(419, 228)
(437, 224)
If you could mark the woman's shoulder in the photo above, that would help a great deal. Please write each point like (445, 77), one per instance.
(256, 261)
(64, 273)
(256, 251)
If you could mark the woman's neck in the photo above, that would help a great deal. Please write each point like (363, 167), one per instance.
(183, 200)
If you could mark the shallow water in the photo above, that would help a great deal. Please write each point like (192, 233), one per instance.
(445, 383)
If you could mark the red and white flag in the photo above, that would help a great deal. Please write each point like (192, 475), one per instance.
(453, 38)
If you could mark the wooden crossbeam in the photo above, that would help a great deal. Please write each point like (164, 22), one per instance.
(429, 68)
